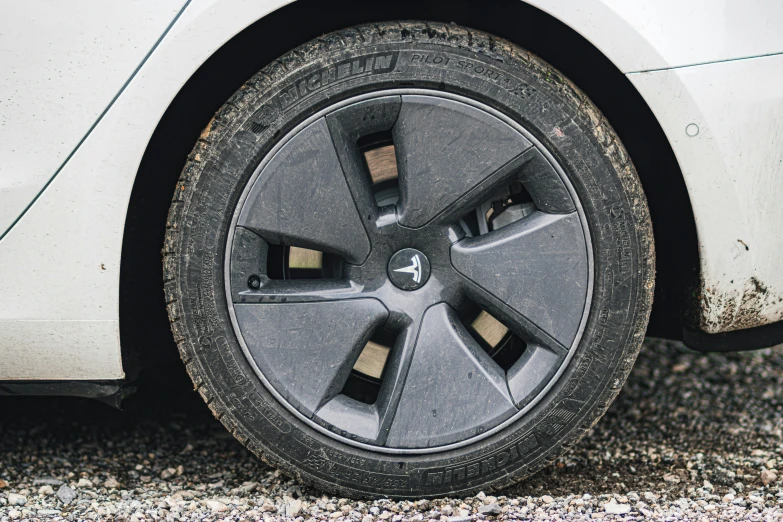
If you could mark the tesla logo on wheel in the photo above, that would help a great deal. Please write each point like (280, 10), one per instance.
(414, 269)
(400, 269)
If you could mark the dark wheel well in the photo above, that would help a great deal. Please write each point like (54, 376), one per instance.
(144, 327)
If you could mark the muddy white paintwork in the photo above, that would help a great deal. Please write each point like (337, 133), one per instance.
(725, 124)
(59, 264)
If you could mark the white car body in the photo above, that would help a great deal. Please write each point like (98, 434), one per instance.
(84, 84)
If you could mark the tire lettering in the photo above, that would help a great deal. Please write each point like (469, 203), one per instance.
(354, 67)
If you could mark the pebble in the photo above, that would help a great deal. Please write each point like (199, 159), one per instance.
(46, 480)
(46, 490)
(768, 477)
(613, 508)
(14, 499)
(293, 508)
(216, 506)
(84, 483)
(671, 478)
(489, 509)
(66, 494)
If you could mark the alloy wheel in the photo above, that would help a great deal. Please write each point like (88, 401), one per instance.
(416, 306)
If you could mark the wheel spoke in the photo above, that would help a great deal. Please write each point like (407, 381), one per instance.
(299, 291)
(453, 389)
(544, 184)
(373, 421)
(353, 416)
(446, 149)
(537, 267)
(531, 372)
(301, 198)
(249, 261)
(307, 350)
(346, 126)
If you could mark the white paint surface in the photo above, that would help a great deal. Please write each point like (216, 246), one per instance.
(61, 63)
(40, 342)
(72, 234)
(59, 265)
(639, 35)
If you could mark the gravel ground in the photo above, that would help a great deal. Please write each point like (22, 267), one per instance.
(691, 437)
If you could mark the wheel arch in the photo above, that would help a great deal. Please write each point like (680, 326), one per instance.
(144, 329)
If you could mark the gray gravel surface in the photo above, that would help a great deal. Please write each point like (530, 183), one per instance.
(691, 437)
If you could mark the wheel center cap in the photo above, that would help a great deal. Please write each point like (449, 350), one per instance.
(409, 269)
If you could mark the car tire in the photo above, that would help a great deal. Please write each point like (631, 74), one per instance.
(512, 202)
